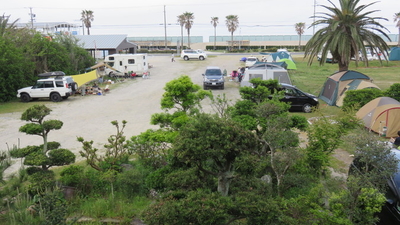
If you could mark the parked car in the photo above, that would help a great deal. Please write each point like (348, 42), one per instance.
(298, 99)
(213, 77)
(55, 86)
(193, 54)
(329, 57)
(390, 213)
(251, 61)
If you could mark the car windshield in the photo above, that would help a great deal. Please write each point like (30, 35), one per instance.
(213, 72)
(251, 59)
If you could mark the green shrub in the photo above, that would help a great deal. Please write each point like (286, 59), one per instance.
(131, 183)
(393, 91)
(355, 99)
(72, 176)
(41, 181)
(300, 122)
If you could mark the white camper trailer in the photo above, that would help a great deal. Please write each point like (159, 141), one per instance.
(124, 63)
(265, 72)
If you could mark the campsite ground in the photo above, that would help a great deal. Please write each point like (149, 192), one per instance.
(134, 100)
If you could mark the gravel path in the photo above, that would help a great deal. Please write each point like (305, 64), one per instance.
(133, 100)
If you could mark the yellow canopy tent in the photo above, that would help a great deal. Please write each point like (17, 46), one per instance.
(84, 78)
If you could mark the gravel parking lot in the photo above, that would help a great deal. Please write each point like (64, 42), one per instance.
(133, 100)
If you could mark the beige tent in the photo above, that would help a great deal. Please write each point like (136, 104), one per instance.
(381, 115)
(354, 85)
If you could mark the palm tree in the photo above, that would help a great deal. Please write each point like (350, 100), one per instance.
(6, 25)
(300, 30)
(348, 30)
(214, 22)
(232, 22)
(87, 18)
(188, 17)
(181, 21)
(397, 18)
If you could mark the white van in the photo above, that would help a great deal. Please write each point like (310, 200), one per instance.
(124, 63)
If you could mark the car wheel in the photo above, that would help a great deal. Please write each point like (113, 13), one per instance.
(222, 87)
(307, 108)
(201, 58)
(186, 58)
(55, 97)
(25, 97)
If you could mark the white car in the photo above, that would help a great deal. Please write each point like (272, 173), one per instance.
(193, 54)
(55, 86)
(251, 61)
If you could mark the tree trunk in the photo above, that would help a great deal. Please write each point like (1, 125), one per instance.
(224, 180)
(343, 66)
(215, 36)
(398, 43)
(231, 41)
(299, 41)
(188, 38)
(44, 144)
(88, 31)
(181, 38)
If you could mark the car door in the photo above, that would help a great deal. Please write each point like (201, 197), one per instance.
(42, 89)
(295, 98)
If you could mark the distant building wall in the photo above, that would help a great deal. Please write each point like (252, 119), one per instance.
(393, 37)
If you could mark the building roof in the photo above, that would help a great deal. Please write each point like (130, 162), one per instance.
(99, 42)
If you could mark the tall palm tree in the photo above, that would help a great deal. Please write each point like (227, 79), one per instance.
(181, 21)
(189, 17)
(300, 30)
(232, 22)
(87, 18)
(214, 22)
(397, 18)
(348, 30)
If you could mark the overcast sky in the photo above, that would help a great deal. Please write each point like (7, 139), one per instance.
(146, 18)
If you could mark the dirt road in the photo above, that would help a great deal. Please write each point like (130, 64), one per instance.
(133, 100)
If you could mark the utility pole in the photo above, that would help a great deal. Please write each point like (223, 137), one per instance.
(32, 16)
(165, 28)
(315, 5)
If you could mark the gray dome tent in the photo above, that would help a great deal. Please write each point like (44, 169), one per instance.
(335, 87)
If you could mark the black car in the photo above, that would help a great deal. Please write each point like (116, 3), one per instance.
(390, 213)
(299, 100)
(213, 77)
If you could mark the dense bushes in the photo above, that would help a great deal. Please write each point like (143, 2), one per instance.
(355, 99)
(26, 53)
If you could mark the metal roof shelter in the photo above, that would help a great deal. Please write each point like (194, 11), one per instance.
(106, 43)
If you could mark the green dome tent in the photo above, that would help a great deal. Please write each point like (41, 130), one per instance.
(290, 64)
(276, 56)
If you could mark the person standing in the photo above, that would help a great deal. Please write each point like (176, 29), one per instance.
(396, 141)
(173, 57)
